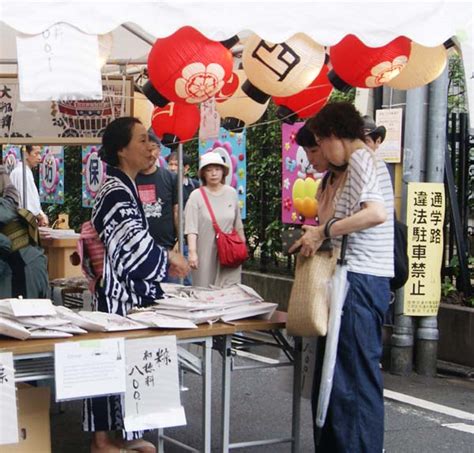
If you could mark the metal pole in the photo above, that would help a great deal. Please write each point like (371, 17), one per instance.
(413, 163)
(427, 333)
(180, 199)
(23, 160)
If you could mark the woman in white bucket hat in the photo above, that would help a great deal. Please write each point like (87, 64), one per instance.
(200, 233)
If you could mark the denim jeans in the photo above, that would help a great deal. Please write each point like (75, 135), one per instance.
(355, 418)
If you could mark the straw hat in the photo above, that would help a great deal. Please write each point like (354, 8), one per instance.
(212, 158)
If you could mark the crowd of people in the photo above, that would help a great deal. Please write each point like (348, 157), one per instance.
(135, 216)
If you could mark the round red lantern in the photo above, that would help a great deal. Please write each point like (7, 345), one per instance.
(187, 67)
(357, 65)
(306, 103)
(175, 123)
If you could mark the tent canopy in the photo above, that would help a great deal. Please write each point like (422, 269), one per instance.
(375, 23)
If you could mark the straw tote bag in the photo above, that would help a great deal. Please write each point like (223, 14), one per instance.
(308, 308)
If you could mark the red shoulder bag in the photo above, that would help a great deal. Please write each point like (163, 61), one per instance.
(231, 249)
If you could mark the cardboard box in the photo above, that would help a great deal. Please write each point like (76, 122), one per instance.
(33, 421)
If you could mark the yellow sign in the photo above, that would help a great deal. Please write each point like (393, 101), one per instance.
(425, 219)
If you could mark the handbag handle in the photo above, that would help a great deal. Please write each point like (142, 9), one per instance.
(211, 212)
(342, 258)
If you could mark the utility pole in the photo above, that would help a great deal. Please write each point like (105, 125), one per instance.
(427, 333)
(413, 165)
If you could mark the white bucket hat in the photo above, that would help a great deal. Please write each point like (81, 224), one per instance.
(212, 158)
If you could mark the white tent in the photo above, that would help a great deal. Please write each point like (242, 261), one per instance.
(428, 23)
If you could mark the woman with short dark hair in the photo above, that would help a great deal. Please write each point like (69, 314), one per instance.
(363, 212)
(133, 263)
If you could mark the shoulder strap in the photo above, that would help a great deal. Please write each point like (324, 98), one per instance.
(209, 208)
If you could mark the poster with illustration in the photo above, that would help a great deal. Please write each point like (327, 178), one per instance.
(162, 158)
(51, 175)
(232, 149)
(299, 180)
(11, 155)
(93, 174)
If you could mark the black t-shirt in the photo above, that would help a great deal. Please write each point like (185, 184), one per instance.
(158, 193)
(188, 188)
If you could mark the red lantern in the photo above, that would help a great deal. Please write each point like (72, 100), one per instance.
(357, 65)
(175, 123)
(307, 102)
(187, 67)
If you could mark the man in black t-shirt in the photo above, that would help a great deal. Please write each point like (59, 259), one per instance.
(189, 184)
(158, 191)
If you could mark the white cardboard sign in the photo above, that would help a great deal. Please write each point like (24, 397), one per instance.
(89, 368)
(8, 407)
(152, 398)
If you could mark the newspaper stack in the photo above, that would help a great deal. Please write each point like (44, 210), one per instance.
(203, 305)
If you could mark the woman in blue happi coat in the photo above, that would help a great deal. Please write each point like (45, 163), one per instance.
(133, 264)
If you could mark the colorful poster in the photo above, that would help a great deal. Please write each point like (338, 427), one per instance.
(164, 153)
(11, 155)
(299, 180)
(51, 172)
(233, 151)
(425, 219)
(93, 175)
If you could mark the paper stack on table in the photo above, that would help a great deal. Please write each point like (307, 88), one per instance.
(204, 305)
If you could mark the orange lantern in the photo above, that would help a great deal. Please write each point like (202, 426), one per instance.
(175, 123)
(357, 65)
(186, 67)
(306, 103)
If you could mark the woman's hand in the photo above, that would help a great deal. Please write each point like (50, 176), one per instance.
(193, 259)
(178, 265)
(310, 241)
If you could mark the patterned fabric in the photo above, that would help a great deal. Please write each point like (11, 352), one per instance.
(133, 267)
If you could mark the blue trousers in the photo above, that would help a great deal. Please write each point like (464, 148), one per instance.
(355, 418)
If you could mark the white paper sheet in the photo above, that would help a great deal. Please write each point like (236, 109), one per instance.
(62, 63)
(89, 368)
(152, 319)
(27, 307)
(112, 322)
(12, 328)
(8, 407)
(152, 398)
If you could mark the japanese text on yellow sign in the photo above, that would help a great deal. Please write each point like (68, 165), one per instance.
(425, 218)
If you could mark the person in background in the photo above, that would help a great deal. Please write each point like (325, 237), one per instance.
(23, 265)
(328, 189)
(363, 212)
(203, 260)
(374, 135)
(189, 184)
(134, 264)
(32, 159)
(158, 192)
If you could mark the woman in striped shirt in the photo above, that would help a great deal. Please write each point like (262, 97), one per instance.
(364, 212)
(133, 263)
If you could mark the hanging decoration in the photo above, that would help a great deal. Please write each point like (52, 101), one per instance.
(51, 175)
(240, 110)
(11, 155)
(142, 108)
(306, 103)
(175, 123)
(232, 148)
(357, 65)
(299, 180)
(425, 65)
(93, 175)
(280, 69)
(186, 67)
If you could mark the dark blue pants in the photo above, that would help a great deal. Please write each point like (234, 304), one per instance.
(355, 418)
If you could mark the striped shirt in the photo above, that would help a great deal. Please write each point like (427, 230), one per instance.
(133, 262)
(369, 251)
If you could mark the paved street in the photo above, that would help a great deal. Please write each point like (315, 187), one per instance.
(440, 418)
